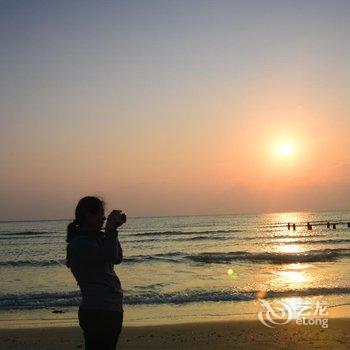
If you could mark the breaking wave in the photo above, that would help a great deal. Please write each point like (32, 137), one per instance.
(69, 299)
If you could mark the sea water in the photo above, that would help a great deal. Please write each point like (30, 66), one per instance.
(184, 268)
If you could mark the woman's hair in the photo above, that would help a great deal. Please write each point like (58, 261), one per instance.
(86, 205)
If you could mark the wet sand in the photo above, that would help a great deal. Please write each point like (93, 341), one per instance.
(209, 335)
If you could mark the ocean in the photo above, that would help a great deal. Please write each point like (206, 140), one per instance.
(183, 268)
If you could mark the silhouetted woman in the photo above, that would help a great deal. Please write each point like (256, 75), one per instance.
(91, 254)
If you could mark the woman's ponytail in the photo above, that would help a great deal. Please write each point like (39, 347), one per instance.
(71, 230)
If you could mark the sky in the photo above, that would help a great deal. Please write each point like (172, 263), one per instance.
(174, 107)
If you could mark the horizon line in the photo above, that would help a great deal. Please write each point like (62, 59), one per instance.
(184, 215)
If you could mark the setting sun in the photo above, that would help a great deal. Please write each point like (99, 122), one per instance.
(285, 149)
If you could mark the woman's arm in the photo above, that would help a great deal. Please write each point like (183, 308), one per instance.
(120, 255)
(115, 219)
(117, 256)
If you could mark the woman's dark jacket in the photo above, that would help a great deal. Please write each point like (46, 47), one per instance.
(91, 259)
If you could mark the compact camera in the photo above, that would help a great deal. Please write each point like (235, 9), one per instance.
(122, 218)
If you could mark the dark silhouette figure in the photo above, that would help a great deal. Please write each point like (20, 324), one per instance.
(309, 227)
(334, 226)
(91, 255)
(328, 225)
(349, 224)
(294, 227)
(288, 225)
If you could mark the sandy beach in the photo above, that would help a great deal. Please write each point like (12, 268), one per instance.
(209, 335)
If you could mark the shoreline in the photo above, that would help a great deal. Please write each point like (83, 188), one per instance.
(155, 315)
(221, 335)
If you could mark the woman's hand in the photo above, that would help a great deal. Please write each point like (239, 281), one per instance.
(115, 219)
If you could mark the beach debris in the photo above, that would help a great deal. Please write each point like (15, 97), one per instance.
(57, 311)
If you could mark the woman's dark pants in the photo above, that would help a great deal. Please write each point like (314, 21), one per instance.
(101, 328)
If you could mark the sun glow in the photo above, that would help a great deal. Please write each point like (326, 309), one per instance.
(294, 276)
(289, 248)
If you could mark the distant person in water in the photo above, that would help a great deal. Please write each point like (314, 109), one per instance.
(91, 254)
